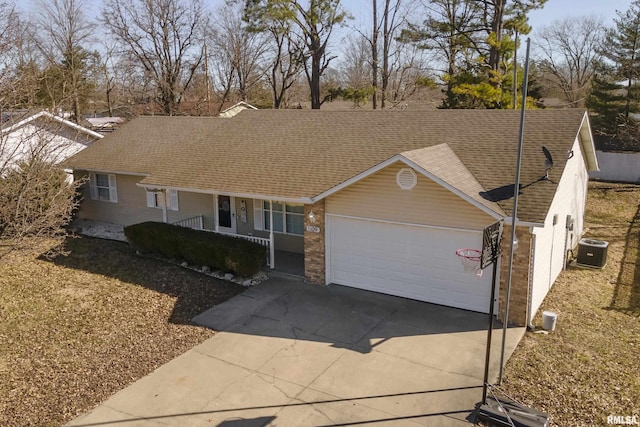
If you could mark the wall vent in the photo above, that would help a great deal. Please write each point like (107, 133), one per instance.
(406, 178)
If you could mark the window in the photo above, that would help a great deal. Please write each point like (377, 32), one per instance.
(161, 199)
(103, 187)
(287, 218)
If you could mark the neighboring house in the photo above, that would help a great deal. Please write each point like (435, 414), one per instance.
(235, 109)
(378, 200)
(105, 124)
(42, 134)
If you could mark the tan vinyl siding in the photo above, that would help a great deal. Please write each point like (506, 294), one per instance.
(428, 203)
(131, 207)
(193, 204)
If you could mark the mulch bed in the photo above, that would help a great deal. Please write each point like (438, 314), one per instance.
(77, 328)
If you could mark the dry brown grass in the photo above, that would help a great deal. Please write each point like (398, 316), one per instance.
(589, 367)
(78, 328)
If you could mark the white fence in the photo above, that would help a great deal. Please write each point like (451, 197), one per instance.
(617, 167)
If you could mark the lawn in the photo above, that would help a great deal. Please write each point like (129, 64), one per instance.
(77, 328)
(589, 367)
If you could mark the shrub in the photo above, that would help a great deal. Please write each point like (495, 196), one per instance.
(197, 247)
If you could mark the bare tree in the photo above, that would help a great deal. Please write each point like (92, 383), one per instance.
(310, 24)
(36, 197)
(284, 64)
(242, 49)
(165, 37)
(356, 64)
(63, 32)
(19, 62)
(568, 52)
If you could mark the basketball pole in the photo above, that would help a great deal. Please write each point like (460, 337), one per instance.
(514, 214)
(487, 356)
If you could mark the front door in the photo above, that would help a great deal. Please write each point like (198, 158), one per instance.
(226, 214)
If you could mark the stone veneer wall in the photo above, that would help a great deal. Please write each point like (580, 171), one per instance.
(519, 277)
(314, 244)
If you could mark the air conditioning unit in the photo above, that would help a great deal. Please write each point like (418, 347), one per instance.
(592, 253)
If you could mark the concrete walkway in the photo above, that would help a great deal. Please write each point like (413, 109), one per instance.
(290, 354)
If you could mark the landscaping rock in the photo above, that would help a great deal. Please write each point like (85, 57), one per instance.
(260, 276)
(247, 283)
(184, 264)
(228, 276)
(206, 269)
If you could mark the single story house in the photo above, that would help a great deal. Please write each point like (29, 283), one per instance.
(39, 133)
(378, 200)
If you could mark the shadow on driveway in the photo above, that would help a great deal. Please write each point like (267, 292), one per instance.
(289, 353)
(344, 317)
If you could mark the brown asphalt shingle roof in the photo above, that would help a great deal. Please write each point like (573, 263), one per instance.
(299, 154)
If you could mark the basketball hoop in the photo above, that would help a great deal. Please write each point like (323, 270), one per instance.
(470, 259)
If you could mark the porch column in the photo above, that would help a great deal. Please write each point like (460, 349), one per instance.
(272, 249)
(165, 218)
(314, 243)
(215, 213)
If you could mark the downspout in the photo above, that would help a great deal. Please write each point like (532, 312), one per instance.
(532, 260)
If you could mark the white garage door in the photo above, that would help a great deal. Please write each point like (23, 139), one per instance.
(408, 261)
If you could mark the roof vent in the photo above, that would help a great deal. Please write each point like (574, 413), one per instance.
(406, 178)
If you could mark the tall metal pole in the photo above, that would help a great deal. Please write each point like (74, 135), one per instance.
(487, 356)
(514, 214)
(515, 74)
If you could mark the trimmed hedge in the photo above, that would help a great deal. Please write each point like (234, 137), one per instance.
(196, 247)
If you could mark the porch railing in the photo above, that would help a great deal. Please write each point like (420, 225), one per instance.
(193, 222)
(259, 240)
(196, 223)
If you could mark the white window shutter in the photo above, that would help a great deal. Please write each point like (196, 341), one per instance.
(258, 215)
(93, 190)
(173, 200)
(151, 199)
(113, 191)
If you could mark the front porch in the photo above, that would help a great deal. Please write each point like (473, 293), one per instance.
(281, 260)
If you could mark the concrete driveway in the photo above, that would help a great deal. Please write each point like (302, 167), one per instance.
(291, 354)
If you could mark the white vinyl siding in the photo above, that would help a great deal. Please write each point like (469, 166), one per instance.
(553, 241)
(159, 199)
(103, 187)
(287, 218)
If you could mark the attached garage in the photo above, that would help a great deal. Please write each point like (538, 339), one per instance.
(396, 232)
(406, 260)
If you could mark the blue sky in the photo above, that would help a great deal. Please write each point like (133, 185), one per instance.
(559, 9)
(553, 9)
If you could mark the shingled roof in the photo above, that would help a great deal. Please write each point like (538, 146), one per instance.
(303, 154)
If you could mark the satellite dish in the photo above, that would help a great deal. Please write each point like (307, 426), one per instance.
(548, 163)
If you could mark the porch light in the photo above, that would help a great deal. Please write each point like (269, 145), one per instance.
(312, 216)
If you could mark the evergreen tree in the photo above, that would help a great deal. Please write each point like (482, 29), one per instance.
(622, 48)
(476, 41)
(615, 95)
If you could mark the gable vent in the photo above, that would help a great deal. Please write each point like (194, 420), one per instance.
(406, 178)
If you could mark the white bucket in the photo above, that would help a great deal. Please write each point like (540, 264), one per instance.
(549, 319)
